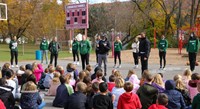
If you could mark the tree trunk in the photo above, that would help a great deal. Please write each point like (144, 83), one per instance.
(192, 14)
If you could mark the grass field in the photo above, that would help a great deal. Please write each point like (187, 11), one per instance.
(29, 52)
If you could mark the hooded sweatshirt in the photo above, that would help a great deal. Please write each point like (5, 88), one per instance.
(7, 97)
(129, 101)
(157, 106)
(175, 97)
(147, 94)
(192, 88)
(196, 102)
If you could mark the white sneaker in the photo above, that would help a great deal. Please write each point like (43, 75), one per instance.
(12, 66)
(164, 68)
(74, 62)
(77, 63)
(119, 66)
(114, 66)
(16, 66)
(136, 66)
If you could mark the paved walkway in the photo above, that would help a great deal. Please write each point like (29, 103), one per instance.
(175, 65)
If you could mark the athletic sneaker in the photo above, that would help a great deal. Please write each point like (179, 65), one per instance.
(164, 68)
(74, 63)
(114, 66)
(12, 66)
(136, 66)
(77, 63)
(16, 66)
(119, 66)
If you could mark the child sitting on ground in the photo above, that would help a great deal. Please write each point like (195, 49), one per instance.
(89, 69)
(48, 78)
(187, 76)
(196, 103)
(30, 97)
(158, 83)
(54, 84)
(20, 72)
(142, 80)
(162, 101)
(130, 72)
(129, 100)
(102, 101)
(135, 81)
(192, 85)
(111, 83)
(99, 76)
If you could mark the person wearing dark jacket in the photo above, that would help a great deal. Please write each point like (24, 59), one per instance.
(75, 46)
(54, 48)
(147, 93)
(144, 51)
(78, 99)
(84, 48)
(175, 97)
(6, 94)
(192, 49)
(196, 100)
(14, 51)
(62, 94)
(104, 47)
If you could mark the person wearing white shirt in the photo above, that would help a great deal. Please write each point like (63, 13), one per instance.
(10, 81)
(135, 47)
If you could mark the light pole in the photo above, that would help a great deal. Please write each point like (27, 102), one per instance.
(113, 35)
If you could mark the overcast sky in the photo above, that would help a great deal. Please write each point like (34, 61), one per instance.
(95, 1)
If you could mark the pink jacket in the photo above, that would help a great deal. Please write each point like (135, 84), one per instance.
(192, 88)
(38, 72)
(134, 79)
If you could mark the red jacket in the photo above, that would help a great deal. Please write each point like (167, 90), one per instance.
(2, 106)
(157, 106)
(129, 101)
(111, 85)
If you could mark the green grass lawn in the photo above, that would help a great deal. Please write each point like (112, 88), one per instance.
(29, 52)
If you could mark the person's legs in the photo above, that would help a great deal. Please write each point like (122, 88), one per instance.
(164, 58)
(74, 55)
(12, 56)
(83, 61)
(115, 58)
(99, 60)
(46, 56)
(16, 58)
(96, 56)
(41, 106)
(42, 51)
(56, 59)
(77, 56)
(105, 64)
(135, 56)
(160, 56)
(119, 57)
(192, 59)
(142, 63)
(51, 58)
(87, 58)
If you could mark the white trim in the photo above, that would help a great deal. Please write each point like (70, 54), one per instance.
(7, 89)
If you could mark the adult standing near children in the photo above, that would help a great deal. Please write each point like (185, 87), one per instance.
(144, 51)
(192, 49)
(75, 46)
(85, 47)
(162, 47)
(44, 49)
(98, 38)
(14, 51)
(117, 52)
(135, 47)
(104, 47)
(54, 48)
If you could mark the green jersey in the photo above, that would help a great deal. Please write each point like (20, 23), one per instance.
(54, 47)
(75, 45)
(13, 46)
(84, 47)
(163, 45)
(44, 45)
(193, 45)
(118, 46)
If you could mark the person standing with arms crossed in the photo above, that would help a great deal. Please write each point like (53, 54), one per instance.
(75, 46)
(14, 51)
(104, 47)
(84, 48)
(135, 47)
(144, 51)
(192, 49)
(44, 49)
(162, 47)
(117, 51)
(54, 48)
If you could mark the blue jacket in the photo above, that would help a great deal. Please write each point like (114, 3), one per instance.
(61, 96)
(30, 100)
(175, 97)
(76, 101)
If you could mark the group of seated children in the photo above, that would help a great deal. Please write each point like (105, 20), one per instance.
(87, 90)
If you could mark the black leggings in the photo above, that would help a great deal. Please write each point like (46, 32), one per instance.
(75, 54)
(55, 56)
(117, 54)
(192, 59)
(135, 56)
(162, 55)
(14, 54)
(85, 60)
